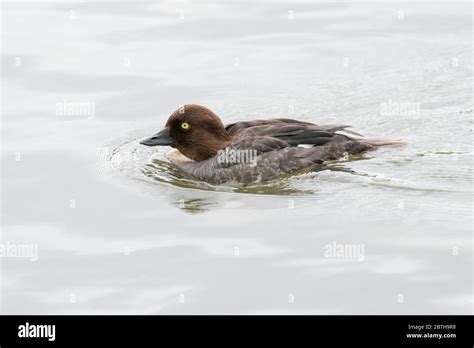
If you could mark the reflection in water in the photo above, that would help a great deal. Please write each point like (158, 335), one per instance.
(196, 205)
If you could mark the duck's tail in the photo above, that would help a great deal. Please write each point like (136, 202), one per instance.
(374, 142)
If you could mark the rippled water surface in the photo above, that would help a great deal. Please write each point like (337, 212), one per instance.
(120, 230)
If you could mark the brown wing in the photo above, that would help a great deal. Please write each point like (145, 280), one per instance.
(292, 132)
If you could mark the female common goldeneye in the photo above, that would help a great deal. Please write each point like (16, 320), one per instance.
(252, 151)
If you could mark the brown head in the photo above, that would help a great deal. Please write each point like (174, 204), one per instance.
(195, 131)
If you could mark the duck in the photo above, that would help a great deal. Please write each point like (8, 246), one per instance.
(254, 151)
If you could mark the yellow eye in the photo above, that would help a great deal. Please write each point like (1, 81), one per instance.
(185, 125)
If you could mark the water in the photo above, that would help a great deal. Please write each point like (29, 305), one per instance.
(119, 230)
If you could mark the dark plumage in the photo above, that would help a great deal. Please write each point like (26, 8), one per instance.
(251, 151)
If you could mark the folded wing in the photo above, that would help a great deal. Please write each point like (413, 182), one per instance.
(292, 132)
